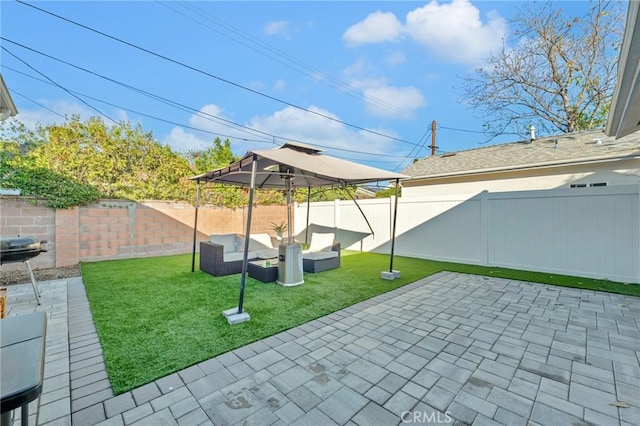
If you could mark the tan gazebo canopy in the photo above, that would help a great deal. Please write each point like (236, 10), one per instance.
(291, 165)
(306, 164)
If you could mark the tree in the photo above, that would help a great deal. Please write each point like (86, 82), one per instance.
(213, 157)
(559, 75)
(18, 171)
(121, 161)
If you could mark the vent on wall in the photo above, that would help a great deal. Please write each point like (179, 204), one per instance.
(587, 185)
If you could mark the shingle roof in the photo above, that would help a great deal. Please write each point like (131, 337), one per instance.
(563, 149)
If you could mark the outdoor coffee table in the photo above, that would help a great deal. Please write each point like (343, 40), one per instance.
(22, 350)
(263, 270)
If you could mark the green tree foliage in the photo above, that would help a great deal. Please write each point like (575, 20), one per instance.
(218, 155)
(43, 186)
(78, 162)
(388, 192)
(121, 161)
(328, 193)
(214, 157)
(558, 74)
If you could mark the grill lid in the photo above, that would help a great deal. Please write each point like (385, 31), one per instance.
(20, 243)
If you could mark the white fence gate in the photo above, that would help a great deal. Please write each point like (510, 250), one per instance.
(589, 232)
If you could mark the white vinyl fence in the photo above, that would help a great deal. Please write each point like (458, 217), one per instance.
(589, 232)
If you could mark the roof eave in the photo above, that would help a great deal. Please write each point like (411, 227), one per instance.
(624, 114)
(592, 160)
(7, 107)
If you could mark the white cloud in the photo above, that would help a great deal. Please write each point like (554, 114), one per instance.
(310, 128)
(256, 85)
(282, 28)
(376, 28)
(381, 98)
(182, 141)
(59, 109)
(454, 31)
(203, 119)
(279, 85)
(290, 124)
(208, 119)
(396, 58)
(388, 101)
(359, 67)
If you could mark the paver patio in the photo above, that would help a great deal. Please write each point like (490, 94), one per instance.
(448, 348)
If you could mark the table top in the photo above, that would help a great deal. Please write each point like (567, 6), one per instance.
(273, 263)
(22, 349)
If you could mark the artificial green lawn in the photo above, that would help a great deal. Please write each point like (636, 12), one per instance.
(155, 317)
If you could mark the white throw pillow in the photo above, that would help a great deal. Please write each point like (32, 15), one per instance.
(260, 241)
(321, 242)
(226, 240)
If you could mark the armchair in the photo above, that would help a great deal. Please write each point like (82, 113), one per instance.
(323, 253)
(223, 254)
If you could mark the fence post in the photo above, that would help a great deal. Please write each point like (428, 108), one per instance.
(336, 214)
(484, 228)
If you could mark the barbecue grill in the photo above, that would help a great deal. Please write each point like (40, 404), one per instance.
(21, 249)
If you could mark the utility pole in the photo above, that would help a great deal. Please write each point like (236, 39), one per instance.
(433, 138)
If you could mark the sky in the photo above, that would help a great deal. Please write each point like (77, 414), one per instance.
(363, 80)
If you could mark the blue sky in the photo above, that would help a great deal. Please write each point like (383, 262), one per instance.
(381, 71)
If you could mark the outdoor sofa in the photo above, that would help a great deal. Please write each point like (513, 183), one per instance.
(323, 253)
(223, 253)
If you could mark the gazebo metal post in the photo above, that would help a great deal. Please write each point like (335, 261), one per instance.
(306, 231)
(245, 260)
(393, 229)
(289, 214)
(195, 227)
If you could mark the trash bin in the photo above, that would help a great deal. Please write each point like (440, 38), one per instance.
(290, 265)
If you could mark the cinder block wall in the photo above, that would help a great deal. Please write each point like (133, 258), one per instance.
(19, 217)
(118, 229)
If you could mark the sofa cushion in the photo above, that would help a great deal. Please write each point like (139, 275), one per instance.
(227, 240)
(238, 255)
(260, 241)
(320, 255)
(268, 253)
(321, 242)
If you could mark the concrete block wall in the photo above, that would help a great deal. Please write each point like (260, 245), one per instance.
(118, 229)
(20, 217)
(67, 238)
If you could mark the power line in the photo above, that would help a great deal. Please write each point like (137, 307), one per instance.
(203, 130)
(56, 84)
(208, 74)
(133, 111)
(287, 60)
(38, 103)
(424, 137)
(166, 101)
(461, 130)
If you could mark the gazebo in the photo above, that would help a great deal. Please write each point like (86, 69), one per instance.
(291, 165)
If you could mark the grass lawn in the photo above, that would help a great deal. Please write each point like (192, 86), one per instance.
(155, 317)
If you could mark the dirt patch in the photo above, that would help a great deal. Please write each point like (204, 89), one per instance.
(21, 276)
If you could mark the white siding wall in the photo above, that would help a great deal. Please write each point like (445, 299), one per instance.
(627, 172)
(590, 232)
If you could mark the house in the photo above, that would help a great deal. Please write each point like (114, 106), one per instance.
(624, 115)
(7, 107)
(573, 160)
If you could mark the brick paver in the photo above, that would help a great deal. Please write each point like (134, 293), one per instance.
(450, 347)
